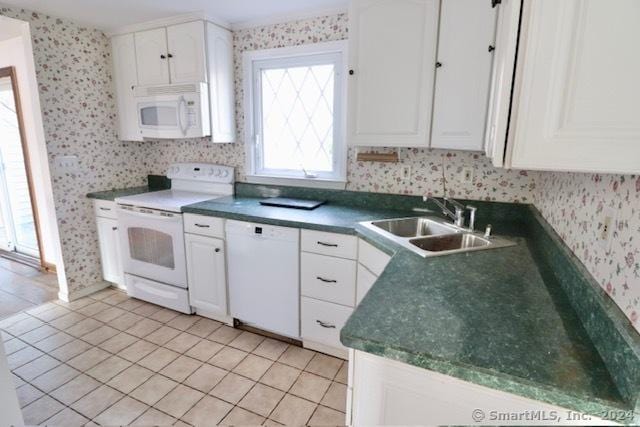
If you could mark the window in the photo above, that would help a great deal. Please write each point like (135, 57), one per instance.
(294, 100)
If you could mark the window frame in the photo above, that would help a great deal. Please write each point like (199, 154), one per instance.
(305, 55)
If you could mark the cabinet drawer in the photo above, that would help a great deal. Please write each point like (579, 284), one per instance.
(322, 321)
(340, 245)
(372, 258)
(105, 208)
(328, 278)
(204, 225)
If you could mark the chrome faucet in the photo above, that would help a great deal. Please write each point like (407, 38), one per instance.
(457, 215)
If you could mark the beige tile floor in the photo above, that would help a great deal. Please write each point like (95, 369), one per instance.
(112, 360)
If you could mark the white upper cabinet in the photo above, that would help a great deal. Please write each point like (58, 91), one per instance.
(186, 52)
(392, 48)
(221, 83)
(151, 57)
(577, 89)
(125, 79)
(466, 42)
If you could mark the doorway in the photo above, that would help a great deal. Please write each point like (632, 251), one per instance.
(19, 230)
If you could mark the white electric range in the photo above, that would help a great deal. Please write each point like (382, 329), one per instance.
(151, 232)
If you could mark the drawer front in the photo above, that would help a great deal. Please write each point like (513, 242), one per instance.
(372, 258)
(328, 278)
(332, 244)
(204, 225)
(322, 321)
(366, 279)
(105, 208)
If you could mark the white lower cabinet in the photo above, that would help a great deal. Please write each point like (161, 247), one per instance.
(207, 277)
(321, 325)
(387, 392)
(110, 258)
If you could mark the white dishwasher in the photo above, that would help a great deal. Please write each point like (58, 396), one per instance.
(264, 276)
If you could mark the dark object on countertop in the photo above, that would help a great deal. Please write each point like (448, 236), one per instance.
(158, 182)
(293, 203)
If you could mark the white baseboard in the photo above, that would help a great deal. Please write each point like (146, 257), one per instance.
(72, 296)
(341, 353)
(227, 320)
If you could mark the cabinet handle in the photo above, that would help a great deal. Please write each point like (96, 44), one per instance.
(322, 279)
(217, 250)
(105, 209)
(163, 57)
(325, 325)
(114, 228)
(203, 226)
(330, 245)
(438, 64)
(351, 72)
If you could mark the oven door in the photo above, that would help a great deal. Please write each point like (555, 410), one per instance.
(152, 245)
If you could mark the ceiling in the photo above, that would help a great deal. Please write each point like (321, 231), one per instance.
(109, 14)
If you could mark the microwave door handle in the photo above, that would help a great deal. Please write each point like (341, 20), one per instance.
(182, 106)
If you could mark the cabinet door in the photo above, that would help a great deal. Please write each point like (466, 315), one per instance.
(110, 250)
(206, 273)
(151, 57)
(502, 80)
(221, 84)
(467, 29)
(392, 48)
(187, 52)
(125, 78)
(578, 87)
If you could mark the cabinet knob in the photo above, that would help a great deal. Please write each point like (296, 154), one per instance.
(494, 3)
(217, 250)
(438, 64)
(351, 72)
(491, 48)
(114, 228)
(170, 55)
(163, 57)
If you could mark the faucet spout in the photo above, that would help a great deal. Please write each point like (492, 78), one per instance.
(457, 216)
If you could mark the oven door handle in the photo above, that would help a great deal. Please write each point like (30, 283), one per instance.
(175, 218)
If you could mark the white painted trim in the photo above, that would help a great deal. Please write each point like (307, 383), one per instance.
(248, 59)
(294, 182)
(68, 297)
(288, 17)
(165, 22)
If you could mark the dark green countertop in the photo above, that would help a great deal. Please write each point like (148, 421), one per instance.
(498, 318)
(113, 194)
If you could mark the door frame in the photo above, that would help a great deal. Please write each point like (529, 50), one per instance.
(11, 73)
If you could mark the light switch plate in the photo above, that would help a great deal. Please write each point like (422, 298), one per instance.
(67, 164)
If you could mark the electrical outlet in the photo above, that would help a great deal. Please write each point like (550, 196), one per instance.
(405, 173)
(466, 175)
(67, 164)
(607, 224)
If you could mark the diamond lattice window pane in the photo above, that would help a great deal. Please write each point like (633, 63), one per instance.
(297, 118)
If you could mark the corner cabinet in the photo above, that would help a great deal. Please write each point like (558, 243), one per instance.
(108, 241)
(575, 104)
(206, 266)
(392, 49)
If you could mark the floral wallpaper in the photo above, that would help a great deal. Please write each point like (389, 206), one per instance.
(489, 183)
(73, 70)
(575, 205)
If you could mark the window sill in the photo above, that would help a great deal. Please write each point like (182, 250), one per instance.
(297, 182)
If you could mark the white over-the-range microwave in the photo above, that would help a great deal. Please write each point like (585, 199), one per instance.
(173, 111)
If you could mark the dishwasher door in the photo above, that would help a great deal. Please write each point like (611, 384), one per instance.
(264, 276)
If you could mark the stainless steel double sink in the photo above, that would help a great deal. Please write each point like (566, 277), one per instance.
(432, 236)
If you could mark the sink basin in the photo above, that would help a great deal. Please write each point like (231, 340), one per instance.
(433, 236)
(414, 227)
(450, 242)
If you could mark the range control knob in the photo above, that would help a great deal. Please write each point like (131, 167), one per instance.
(225, 174)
